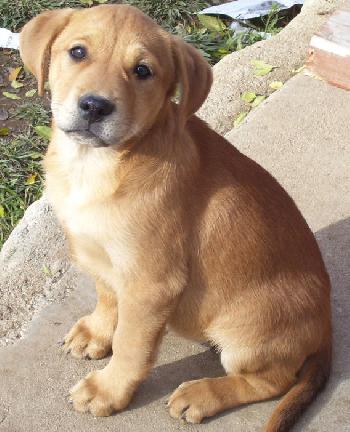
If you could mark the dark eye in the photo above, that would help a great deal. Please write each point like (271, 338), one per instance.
(78, 52)
(142, 71)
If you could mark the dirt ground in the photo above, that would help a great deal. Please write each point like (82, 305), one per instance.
(21, 145)
(10, 60)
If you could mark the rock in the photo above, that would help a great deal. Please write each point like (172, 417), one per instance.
(35, 244)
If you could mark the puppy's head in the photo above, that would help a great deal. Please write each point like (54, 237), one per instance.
(112, 71)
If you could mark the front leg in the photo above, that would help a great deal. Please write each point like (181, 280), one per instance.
(91, 337)
(141, 322)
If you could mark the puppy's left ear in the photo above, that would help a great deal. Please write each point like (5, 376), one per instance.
(194, 74)
(36, 39)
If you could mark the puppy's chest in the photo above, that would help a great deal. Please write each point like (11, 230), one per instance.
(86, 204)
(97, 224)
(102, 240)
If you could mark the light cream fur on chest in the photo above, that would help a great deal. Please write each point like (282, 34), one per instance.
(100, 226)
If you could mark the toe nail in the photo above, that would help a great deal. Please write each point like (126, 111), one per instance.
(183, 414)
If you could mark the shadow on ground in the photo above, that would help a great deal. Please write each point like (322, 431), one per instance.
(334, 242)
(166, 378)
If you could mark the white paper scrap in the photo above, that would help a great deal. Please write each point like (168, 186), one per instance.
(9, 39)
(247, 9)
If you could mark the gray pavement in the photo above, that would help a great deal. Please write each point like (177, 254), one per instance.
(301, 134)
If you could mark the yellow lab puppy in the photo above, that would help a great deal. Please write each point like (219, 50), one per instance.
(176, 226)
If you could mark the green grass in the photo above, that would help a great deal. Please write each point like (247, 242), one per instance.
(34, 113)
(20, 168)
(15, 13)
(169, 13)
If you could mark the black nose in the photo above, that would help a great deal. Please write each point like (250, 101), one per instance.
(94, 108)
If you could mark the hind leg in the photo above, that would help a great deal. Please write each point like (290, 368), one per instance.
(195, 400)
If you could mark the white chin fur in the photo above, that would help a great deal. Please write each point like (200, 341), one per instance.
(107, 132)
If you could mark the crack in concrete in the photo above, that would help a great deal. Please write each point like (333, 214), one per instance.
(4, 413)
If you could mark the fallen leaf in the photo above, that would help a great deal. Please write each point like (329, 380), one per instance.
(211, 23)
(4, 115)
(36, 155)
(276, 85)
(248, 97)
(2, 211)
(239, 119)
(259, 72)
(299, 69)
(31, 179)
(258, 101)
(87, 2)
(4, 131)
(10, 96)
(258, 63)
(43, 131)
(30, 93)
(47, 85)
(14, 72)
(262, 68)
(16, 84)
(47, 270)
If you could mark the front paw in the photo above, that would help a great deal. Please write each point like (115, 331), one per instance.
(91, 337)
(97, 394)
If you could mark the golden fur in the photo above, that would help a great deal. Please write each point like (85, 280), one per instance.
(176, 226)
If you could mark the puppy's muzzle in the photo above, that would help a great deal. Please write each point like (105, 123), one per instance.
(95, 108)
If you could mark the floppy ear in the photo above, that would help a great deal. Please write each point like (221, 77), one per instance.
(36, 39)
(194, 74)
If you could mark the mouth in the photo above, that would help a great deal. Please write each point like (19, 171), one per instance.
(87, 137)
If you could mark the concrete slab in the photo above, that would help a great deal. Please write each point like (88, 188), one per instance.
(300, 134)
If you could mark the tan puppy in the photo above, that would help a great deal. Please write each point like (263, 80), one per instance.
(176, 226)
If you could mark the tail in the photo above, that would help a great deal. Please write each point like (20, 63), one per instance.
(312, 378)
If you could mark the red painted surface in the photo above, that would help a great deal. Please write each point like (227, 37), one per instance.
(333, 67)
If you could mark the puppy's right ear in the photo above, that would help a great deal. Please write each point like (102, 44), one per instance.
(36, 39)
(194, 75)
